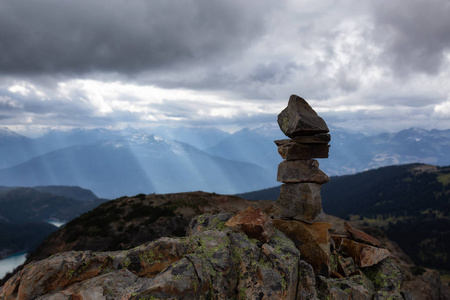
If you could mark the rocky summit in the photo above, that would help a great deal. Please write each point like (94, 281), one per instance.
(288, 250)
(217, 261)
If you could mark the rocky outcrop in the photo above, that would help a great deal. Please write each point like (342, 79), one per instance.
(128, 222)
(214, 261)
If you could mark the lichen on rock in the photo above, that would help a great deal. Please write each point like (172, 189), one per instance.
(212, 262)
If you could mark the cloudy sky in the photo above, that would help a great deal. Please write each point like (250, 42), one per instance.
(364, 65)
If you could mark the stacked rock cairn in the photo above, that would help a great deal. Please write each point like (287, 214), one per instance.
(299, 197)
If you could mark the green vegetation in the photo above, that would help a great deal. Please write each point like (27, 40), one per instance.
(444, 179)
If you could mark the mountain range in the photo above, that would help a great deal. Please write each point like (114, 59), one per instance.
(135, 164)
(166, 160)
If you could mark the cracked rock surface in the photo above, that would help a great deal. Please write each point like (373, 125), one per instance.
(213, 262)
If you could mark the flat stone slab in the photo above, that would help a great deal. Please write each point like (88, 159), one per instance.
(364, 255)
(361, 236)
(297, 171)
(322, 138)
(299, 119)
(299, 201)
(303, 151)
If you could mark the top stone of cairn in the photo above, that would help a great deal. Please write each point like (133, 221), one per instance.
(299, 119)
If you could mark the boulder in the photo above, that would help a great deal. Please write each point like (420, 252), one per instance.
(313, 241)
(299, 201)
(253, 222)
(386, 275)
(178, 281)
(109, 286)
(364, 255)
(298, 119)
(298, 171)
(62, 270)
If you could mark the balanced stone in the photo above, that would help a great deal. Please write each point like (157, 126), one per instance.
(298, 119)
(322, 138)
(296, 171)
(304, 147)
(292, 150)
(299, 201)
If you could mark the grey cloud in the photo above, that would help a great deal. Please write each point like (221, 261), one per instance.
(239, 121)
(414, 35)
(50, 36)
(273, 72)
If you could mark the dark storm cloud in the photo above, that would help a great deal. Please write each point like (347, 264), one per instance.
(415, 35)
(49, 36)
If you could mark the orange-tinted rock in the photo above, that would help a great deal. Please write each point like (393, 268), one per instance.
(255, 223)
(361, 236)
(364, 255)
(298, 119)
(298, 171)
(313, 241)
(299, 201)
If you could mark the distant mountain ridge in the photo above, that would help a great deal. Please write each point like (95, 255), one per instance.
(229, 163)
(139, 163)
(74, 192)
